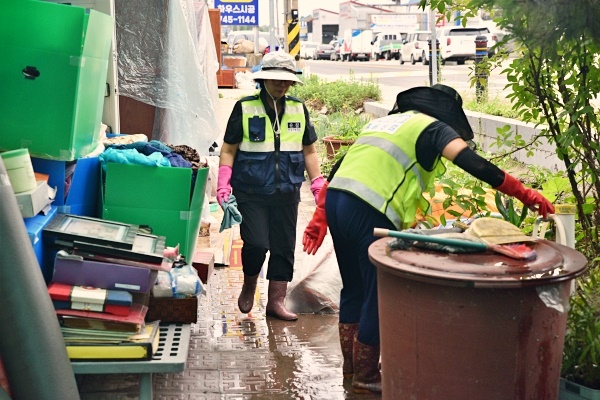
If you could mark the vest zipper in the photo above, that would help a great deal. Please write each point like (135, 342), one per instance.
(277, 159)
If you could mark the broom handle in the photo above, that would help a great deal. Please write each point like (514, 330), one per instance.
(380, 232)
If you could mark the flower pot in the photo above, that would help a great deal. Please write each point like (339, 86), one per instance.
(333, 145)
(572, 391)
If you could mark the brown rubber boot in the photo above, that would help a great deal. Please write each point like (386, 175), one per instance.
(347, 334)
(276, 303)
(246, 299)
(365, 360)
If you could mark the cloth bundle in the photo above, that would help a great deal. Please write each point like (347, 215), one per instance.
(231, 215)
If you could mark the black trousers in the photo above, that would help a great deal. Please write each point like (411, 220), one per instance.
(268, 224)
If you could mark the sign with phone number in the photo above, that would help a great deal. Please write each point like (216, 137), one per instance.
(238, 12)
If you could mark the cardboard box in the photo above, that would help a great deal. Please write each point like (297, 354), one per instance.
(34, 201)
(170, 309)
(226, 78)
(43, 253)
(54, 67)
(169, 200)
(83, 195)
(204, 263)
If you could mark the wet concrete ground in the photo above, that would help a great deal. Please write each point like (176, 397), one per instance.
(246, 356)
(235, 356)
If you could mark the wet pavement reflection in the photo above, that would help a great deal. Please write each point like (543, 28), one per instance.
(244, 356)
(235, 356)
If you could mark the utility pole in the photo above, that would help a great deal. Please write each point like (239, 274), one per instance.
(286, 13)
(434, 49)
(292, 27)
(277, 16)
(271, 25)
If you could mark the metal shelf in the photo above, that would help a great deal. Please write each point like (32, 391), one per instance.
(170, 356)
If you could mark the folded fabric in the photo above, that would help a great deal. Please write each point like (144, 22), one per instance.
(231, 215)
(151, 148)
(132, 156)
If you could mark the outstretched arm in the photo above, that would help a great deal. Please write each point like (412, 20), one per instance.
(484, 170)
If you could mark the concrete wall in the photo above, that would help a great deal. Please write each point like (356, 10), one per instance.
(485, 126)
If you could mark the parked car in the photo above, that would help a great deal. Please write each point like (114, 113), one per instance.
(323, 52)
(458, 44)
(416, 48)
(335, 54)
(307, 49)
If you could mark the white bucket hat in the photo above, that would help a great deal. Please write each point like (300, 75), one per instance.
(278, 65)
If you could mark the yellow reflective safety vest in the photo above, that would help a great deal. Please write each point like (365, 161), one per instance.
(381, 167)
(268, 161)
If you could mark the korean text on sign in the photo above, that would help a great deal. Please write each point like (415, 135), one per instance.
(238, 12)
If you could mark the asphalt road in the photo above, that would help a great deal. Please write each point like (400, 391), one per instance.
(395, 77)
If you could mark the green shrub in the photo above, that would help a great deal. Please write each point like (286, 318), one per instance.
(493, 106)
(340, 96)
(581, 355)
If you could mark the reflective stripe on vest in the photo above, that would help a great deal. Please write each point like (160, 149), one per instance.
(291, 132)
(381, 167)
(261, 168)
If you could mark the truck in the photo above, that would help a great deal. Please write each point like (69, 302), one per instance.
(387, 45)
(356, 45)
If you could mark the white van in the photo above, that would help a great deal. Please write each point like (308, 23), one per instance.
(458, 43)
(416, 48)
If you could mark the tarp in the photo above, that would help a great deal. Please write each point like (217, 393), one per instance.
(167, 58)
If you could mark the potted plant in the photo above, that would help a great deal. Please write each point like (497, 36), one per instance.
(580, 371)
(342, 129)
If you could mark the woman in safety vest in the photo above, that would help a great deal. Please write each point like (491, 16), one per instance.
(268, 143)
(379, 183)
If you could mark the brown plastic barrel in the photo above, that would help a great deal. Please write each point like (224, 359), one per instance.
(473, 326)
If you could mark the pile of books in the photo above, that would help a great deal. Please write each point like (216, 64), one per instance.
(103, 274)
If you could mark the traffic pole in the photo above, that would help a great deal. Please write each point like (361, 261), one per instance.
(433, 63)
(481, 74)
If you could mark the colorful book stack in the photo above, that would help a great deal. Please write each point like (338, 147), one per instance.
(103, 274)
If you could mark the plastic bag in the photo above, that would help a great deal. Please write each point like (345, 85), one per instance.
(187, 283)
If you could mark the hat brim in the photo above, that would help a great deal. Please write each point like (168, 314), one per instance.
(497, 231)
(437, 104)
(278, 75)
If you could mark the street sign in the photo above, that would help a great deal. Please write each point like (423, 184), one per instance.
(238, 12)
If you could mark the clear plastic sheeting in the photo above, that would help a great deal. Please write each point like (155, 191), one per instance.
(552, 298)
(166, 55)
(316, 286)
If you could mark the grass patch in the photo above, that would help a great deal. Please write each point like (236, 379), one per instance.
(340, 96)
(493, 106)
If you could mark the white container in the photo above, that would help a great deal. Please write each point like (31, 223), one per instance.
(19, 169)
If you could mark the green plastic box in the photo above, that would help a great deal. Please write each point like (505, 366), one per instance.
(167, 199)
(53, 69)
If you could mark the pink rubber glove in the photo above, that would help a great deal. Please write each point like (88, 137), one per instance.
(223, 184)
(315, 231)
(531, 198)
(316, 185)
